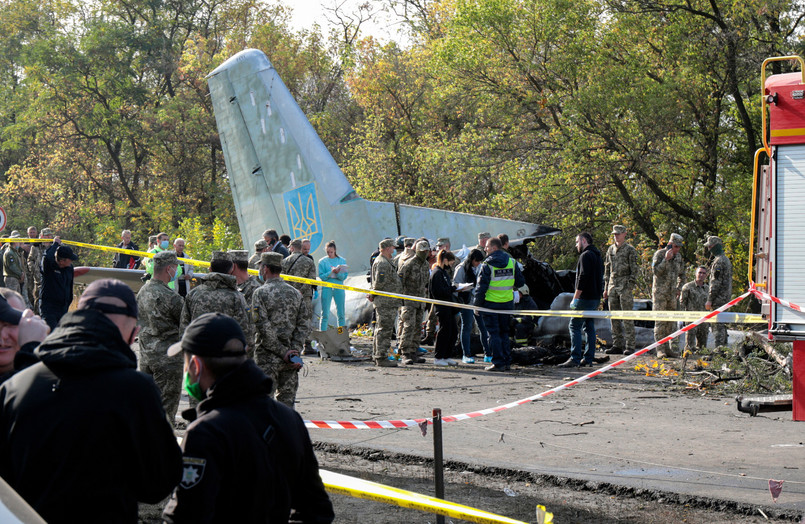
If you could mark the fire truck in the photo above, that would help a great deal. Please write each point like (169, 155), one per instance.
(777, 237)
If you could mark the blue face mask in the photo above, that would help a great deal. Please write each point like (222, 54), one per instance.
(164, 244)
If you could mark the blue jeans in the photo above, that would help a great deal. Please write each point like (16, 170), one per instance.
(466, 330)
(576, 324)
(497, 325)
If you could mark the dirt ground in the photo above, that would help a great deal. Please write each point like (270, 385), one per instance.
(628, 446)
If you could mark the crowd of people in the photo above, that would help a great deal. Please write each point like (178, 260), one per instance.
(489, 277)
(68, 379)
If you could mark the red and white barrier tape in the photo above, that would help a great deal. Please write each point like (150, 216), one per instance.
(422, 422)
(765, 296)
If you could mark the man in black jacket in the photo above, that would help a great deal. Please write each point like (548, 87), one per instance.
(57, 282)
(247, 458)
(83, 436)
(589, 289)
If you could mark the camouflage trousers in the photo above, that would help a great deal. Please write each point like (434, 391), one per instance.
(284, 379)
(720, 330)
(622, 330)
(37, 290)
(384, 326)
(696, 338)
(430, 329)
(167, 373)
(411, 321)
(13, 284)
(663, 329)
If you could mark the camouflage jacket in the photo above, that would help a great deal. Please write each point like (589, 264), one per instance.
(160, 315)
(218, 293)
(414, 276)
(385, 278)
(693, 296)
(299, 265)
(254, 261)
(12, 263)
(720, 280)
(620, 267)
(669, 275)
(248, 287)
(279, 318)
(34, 262)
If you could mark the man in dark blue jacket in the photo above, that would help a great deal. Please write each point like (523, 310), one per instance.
(57, 282)
(589, 289)
(498, 278)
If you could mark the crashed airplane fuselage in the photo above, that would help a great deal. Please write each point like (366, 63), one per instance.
(283, 177)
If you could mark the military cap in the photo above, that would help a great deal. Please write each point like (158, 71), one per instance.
(239, 255)
(166, 258)
(677, 239)
(409, 242)
(442, 241)
(212, 335)
(387, 242)
(400, 242)
(272, 258)
(483, 235)
(617, 230)
(423, 245)
(713, 240)
(296, 243)
(260, 245)
(46, 231)
(14, 234)
(220, 255)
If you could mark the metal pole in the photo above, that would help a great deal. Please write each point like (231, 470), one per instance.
(438, 458)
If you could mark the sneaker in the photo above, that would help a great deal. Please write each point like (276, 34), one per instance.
(468, 360)
(569, 363)
(494, 368)
(441, 362)
(487, 359)
(451, 362)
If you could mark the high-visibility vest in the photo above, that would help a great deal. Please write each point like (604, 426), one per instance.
(501, 285)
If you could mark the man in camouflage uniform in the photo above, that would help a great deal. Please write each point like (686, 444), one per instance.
(160, 315)
(217, 293)
(414, 275)
(406, 254)
(620, 275)
(693, 297)
(669, 275)
(299, 265)
(281, 327)
(31, 267)
(720, 285)
(12, 265)
(259, 248)
(247, 284)
(384, 278)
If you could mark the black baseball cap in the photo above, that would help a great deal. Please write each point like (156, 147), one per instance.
(93, 297)
(7, 313)
(66, 252)
(211, 335)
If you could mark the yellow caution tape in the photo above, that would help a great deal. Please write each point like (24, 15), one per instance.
(365, 489)
(668, 316)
